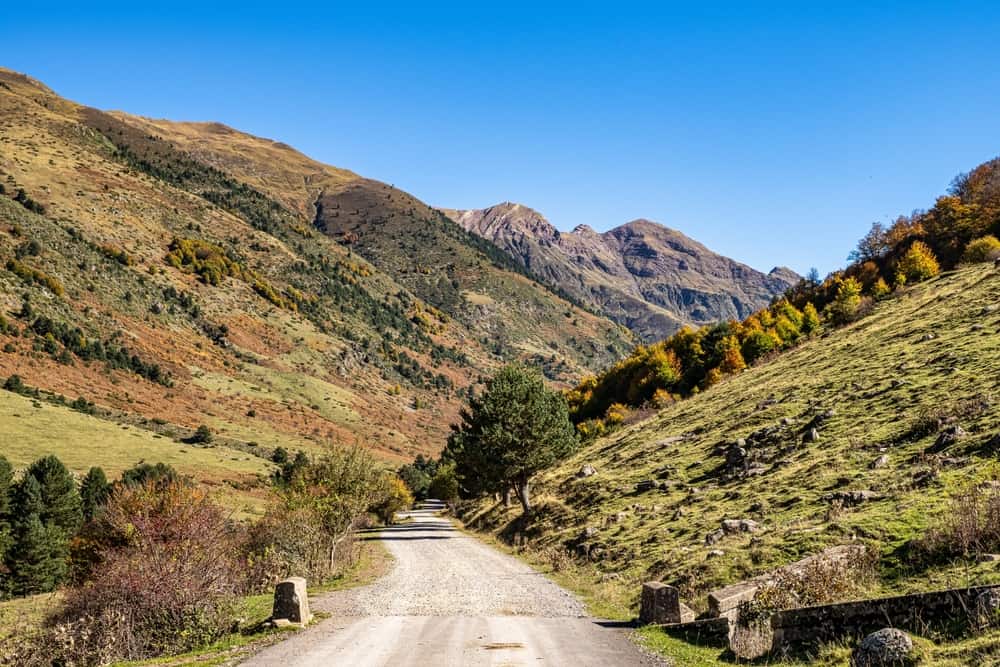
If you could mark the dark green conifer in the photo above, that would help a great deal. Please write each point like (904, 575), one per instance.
(60, 498)
(94, 491)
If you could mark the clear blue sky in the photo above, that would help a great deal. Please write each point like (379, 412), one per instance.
(773, 132)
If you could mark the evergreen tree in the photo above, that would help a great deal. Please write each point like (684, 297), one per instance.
(141, 473)
(37, 557)
(6, 484)
(59, 496)
(516, 428)
(94, 492)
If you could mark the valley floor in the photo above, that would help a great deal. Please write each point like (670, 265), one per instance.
(452, 600)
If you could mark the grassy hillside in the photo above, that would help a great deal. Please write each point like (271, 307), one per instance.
(172, 275)
(886, 385)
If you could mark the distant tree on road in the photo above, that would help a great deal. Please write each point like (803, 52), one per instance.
(515, 429)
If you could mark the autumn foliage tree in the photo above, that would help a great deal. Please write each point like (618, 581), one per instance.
(917, 263)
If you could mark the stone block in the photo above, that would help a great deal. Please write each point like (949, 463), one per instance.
(291, 603)
(660, 604)
(726, 601)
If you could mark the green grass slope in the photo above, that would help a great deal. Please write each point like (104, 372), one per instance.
(930, 353)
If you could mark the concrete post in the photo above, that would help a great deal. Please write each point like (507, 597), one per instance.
(291, 603)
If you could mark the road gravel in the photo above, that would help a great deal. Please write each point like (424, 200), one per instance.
(451, 600)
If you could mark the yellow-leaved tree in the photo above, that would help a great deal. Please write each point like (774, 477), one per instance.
(919, 263)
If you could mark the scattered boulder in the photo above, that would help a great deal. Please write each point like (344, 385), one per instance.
(586, 471)
(588, 533)
(715, 553)
(881, 462)
(927, 337)
(822, 418)
(812, 435)
(924, 478)
(852, 498)
(949, 436)
(714, 537)
(645, 485)
(734, 526)
(883, 648)
(787, 421)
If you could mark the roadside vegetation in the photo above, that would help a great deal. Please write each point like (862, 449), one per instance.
(150, 565)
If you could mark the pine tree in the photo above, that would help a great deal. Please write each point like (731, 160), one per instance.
(59, 496)
(6, 484)
(517, 428)
(94, 492)
(37, 557)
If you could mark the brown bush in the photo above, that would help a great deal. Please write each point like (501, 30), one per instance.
(819, 581)
(970, 527)
(165, 578)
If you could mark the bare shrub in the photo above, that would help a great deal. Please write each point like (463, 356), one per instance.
(818, 581)
(970, 527)
(165, 578)
(557, 558)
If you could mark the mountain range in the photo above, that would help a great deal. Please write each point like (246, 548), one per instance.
(643, 275)
(177, 274)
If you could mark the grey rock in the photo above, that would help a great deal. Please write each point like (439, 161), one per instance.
(645, 485)
(588, 532)
(586, 471)
(852, 498)
(812, 435)
(733, 526)
(949, 436)
(881, 462)
(715, 553)
(714, 537)
(887, 646)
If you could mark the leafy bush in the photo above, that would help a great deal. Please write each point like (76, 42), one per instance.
(917, 264)
(444, 485)
(308, 530)
(819, 581)
(30, 275)
(984, 249)
(164, 582)
(396, 497)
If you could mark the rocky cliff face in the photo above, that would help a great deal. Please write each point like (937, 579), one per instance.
(650, 278)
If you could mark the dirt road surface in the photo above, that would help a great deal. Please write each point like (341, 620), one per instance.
(451, 600)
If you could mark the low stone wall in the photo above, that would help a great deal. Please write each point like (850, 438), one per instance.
(706, 632)
(805, 628)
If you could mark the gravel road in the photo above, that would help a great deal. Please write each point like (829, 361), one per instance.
(451, 600)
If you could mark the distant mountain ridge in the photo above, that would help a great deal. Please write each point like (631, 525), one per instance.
(648, 277)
